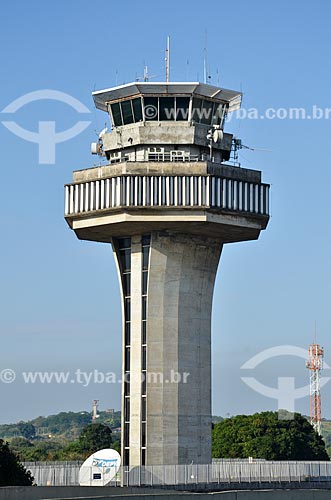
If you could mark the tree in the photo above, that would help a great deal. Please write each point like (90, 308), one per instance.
(12, 472)
(40, 451)
(264, 435)
(26, 430)
(94, 437)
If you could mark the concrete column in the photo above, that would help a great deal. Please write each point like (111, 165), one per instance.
(135, 357)
(135, 319)
(182, 272)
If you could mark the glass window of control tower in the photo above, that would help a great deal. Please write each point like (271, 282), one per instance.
(137, 109)
(207, 112)
(116, 112)
(151, 108)
(166, 108)
(218, 114)
(182, 108)
(126, 112)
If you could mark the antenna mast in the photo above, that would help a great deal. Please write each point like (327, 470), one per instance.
(315, 365)
(167, 58)
(205, 59)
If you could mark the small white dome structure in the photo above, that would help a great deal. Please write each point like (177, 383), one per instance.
(100, 468)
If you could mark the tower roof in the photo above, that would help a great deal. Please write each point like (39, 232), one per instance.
(231, 98)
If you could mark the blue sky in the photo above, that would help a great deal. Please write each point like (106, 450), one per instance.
(60, 306)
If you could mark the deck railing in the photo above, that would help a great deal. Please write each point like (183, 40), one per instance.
(175, 191)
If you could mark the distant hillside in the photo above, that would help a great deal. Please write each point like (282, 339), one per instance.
(67, 426)
(64, 425)
(55, 437)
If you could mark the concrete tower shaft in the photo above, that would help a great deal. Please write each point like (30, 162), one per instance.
(167, 341)
(167, 203)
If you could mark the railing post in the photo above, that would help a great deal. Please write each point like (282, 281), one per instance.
(66, 209)
(160, 190)
(76, 205)
(71, 200)
(102, 189)
(97, 195)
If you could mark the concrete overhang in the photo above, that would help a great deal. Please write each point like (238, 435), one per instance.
(231, 98)
(226, 226)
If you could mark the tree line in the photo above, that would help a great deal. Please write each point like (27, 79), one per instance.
(263, 435)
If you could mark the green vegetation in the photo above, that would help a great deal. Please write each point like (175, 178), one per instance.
(59, 437)
(93, 437)
(12, 473)
(64, 426)
(62, 437)
(326, 431)
(264, 435)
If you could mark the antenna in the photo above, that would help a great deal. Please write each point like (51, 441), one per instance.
(315, 365)
(218, 77)
(167, 59)
(146, 76)
(205, 59)
(237, 145)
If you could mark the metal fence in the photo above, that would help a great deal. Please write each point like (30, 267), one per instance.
(54, 473)
(220, 472)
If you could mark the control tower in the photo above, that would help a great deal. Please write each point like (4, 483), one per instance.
(167, 202)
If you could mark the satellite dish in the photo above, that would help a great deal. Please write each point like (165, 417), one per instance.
(100, 468)
(217, 135)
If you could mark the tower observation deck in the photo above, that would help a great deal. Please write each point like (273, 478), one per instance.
(167, 202)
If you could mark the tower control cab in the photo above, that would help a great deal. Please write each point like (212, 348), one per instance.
(166, 122)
